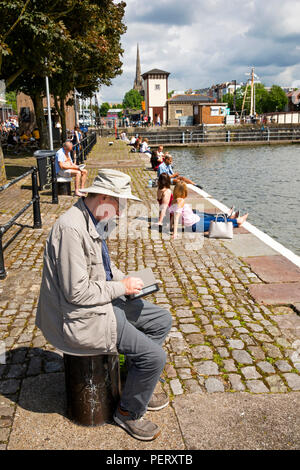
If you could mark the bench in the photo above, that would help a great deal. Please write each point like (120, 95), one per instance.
(63, 185)
(92, 388)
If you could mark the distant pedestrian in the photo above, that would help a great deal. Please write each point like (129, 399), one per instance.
(77, 137)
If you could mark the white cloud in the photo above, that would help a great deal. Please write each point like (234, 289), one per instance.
(202, 42)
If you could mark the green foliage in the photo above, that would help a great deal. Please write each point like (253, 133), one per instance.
(132, 100)
(76, 43)
(265, 101)
(170, 93)
(103, 109)
(11, 99)
(277, 99)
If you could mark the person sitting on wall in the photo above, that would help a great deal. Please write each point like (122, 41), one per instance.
(155, 160)
(65, 167)
(166, 167)
(144, 148)
(137, 144)
(124, 137)
(132, 140)
(160, 152)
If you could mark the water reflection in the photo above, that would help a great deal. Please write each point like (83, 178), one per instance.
(261, 180)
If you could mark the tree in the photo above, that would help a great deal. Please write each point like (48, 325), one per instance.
(277, 99)
(265, 101)
(81, 54)
(11, 100)
(132, 100)
(103, 109)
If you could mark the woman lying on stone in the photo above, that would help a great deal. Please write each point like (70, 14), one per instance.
(195, 221)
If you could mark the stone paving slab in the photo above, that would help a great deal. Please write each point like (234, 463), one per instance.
(276, 294)
(274, 268)
(40, 423)
(244, 245)
(239, 421)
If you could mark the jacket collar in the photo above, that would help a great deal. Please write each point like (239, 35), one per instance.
(90, 224)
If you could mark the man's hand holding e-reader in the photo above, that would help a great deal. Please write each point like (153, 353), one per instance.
(133, 285)
(142, 282)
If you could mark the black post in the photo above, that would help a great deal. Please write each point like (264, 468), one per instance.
(2, 267)
(92, 388)
(37, 221)
(234, 97)
(54, 182)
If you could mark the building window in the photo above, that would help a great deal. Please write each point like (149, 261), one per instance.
(178, 112)
(157, 87)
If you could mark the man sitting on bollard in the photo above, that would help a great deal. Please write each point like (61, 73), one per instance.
(65, 167)
(83, 310)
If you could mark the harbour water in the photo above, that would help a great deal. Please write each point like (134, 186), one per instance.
(261, 180)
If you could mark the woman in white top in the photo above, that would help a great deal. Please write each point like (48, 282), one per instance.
(195, 221)
(145, 147)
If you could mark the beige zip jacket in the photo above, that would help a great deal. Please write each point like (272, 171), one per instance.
(74, 311)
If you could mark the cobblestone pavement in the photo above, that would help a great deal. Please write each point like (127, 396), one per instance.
(221, 340)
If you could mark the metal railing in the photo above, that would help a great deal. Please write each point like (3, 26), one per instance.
(225, 136)
(85, 147)
(35, 202)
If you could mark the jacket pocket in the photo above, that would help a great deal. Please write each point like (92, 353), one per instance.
(85, 332)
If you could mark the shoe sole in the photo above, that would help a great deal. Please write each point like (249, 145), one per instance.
(140, 438)
(152, 408)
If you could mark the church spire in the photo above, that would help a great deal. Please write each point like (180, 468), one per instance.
(138, 83)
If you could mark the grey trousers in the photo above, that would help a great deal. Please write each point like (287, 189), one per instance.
(141, 330)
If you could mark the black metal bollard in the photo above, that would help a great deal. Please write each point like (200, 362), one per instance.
(37, 221)
(93, 388)
(54, 182)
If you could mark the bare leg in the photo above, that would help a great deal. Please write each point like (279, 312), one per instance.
(186, 180)
(77, 175)
(242, 219)
(77, 182)
(83, 178)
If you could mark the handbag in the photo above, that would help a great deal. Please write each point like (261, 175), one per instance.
(220, 229)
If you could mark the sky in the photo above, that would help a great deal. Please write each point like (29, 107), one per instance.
(204, 42)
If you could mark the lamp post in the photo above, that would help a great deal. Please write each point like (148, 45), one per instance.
(234, 96)
(75, 108)
(49, 113)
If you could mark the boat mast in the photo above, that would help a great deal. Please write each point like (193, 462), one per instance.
(252, 104)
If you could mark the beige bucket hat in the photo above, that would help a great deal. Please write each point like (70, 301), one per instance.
(111, 183)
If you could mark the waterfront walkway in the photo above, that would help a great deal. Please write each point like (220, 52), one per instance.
(233, 368)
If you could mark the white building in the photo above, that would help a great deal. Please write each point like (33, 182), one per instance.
(156, 94)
